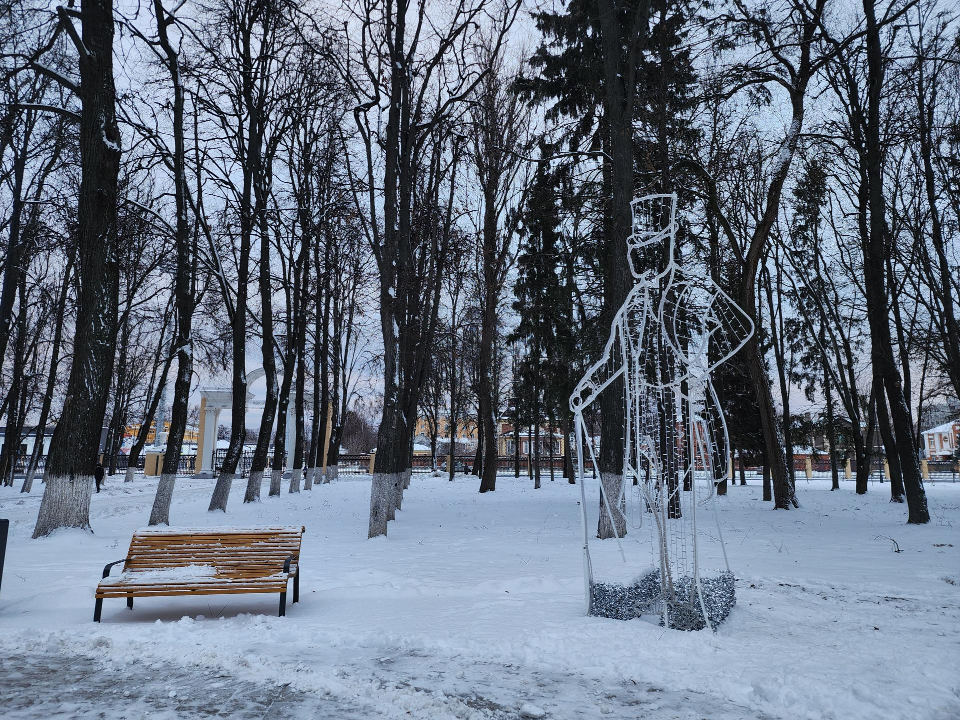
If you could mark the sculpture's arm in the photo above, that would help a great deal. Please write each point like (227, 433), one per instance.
(729, 326)
(602, 373)
(704, 326)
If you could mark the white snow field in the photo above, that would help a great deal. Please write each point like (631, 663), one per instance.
(473, 608)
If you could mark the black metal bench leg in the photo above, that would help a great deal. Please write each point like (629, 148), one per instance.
(296, 586)
(283, 604)
(96, 610)
(130, 601)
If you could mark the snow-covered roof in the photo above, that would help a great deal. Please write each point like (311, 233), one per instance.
(946, 428)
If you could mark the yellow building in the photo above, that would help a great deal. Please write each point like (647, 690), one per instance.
(465, 430)
(506, 442)
(189, 436)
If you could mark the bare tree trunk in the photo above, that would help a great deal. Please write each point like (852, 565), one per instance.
(184, 285)
(568, 471)
(325, 400)
(516, 443)
(885, 366)
(477, 468)
(13, 266)
(619, 88)
(250, 128)
(301, 381)
(743, 466)
(767, 491)
(831, 430)
(76, 441)
(409, 295)
(315, 440)
(536, 452)
(800, 75)
(550, 452)
(452, 424)
(18, 392)
(280, 437)
(890, 443)
(945, 277)
(153, 401)
(865, 452)
(115, 432)
(51, 376)
(269, 416)
(780, 356)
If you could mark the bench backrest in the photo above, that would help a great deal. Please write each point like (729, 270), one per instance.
(234, 552)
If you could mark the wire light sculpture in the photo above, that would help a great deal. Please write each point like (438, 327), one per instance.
(674, 329)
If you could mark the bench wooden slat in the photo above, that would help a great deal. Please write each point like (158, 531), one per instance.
(196, 591)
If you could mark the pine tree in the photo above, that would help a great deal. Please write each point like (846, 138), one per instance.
(544, 303)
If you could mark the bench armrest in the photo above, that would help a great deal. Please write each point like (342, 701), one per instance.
(106, 570)
(286, 563)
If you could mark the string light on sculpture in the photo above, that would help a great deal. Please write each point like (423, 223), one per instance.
(673, 330)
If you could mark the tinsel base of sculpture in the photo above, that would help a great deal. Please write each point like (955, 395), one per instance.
(646, 597)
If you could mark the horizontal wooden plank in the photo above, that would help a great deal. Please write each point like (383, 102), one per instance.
(157, 590)
(211, 582)
(278, 547)
(154, 592)
(259, 567)
(203, 561)
(227, 555)
(125, 584)
(208, 536)
(172, 550)
(217, 538)
(213, 546)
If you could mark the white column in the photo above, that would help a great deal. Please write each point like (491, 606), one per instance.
(210, 417)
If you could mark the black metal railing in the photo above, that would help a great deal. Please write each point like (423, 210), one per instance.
(944, 470)
(22, 461)
(423, 463)
(187, 465)
(353, 464)
(243, 466)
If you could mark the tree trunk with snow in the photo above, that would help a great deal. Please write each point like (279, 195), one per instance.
(76, 441)
(184, 292)
(269, 416)
(623, 35)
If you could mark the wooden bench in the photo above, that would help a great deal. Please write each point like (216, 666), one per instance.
(209, 561)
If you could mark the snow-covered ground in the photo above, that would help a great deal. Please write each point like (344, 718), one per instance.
(473, 608)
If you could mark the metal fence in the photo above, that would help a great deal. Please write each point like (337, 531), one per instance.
(422, 463)
(353, 464)
(359, 464)
(187, 465)
(243, 467)
(937, 471)
(22, 461)
(945, 471)
(119, 462)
